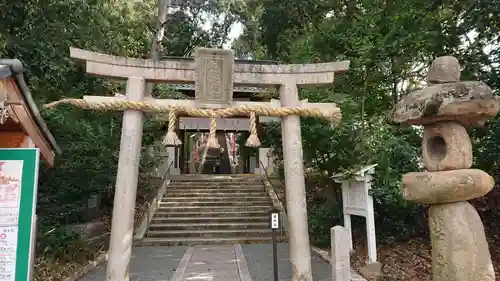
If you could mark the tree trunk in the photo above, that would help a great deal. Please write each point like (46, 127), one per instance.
(158, 37)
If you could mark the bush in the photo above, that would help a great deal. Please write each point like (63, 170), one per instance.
(62, 245)
(396, 150)
(394, 216)
(321, 218)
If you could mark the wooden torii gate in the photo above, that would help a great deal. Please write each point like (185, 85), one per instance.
(214, 72)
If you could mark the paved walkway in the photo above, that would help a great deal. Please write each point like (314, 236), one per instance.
(147, 264)
(252, 262)
(218, 262)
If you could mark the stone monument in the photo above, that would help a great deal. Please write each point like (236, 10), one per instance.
(341, 265)
(459, 247)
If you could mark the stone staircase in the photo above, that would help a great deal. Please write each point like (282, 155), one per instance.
(211, 209)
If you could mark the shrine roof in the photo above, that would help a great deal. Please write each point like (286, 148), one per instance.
(28, 114)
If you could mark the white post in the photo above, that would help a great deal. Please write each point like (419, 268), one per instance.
(347, 216)
(370, 222)
(300, 252)
(341, 265)
(122, 225)
(348, 227)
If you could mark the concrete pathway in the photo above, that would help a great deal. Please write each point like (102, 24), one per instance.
(259, 258)
(250, 262)
(213, 262)
(147, 264)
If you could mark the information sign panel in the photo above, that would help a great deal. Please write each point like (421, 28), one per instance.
(18, 186)
(275, 220)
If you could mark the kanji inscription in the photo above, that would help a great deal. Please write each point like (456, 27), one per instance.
(356, 195)
(214, 70)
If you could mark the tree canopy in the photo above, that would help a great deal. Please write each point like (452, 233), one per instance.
(390, 43)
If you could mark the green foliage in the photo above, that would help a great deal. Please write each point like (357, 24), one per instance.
(486, 149)
(389, 44)
(321, 218)
(340, 149)
(40, 34)
(90, 142)
(63, 245)
(394, 156)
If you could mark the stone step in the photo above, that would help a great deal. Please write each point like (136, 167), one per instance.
(203, 209)
(211, 225)
(208, 182)
(214, 219)
(222, 180)
(166, 214)
(257, 180)
(210, 233)
(195, 196)
(211, 183)
(217, 198)
(227, 203)
(211, 209)
(234, 186)
(208, 196)
(193, 241)
(215, 190)
(216, 179)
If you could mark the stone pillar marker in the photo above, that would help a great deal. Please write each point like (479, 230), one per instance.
(459, 247)
(341, 264)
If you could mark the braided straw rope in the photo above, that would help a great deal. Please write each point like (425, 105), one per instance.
(212, 141)
(120, 105)
(253, 139)
(171, 137)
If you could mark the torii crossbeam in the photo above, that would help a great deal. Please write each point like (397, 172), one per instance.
(214, 72)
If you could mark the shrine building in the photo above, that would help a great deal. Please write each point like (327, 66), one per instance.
(21, 125)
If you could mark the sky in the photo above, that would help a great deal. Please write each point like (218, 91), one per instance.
(235, 31)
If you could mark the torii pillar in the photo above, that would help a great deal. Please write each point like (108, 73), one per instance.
(219, 70)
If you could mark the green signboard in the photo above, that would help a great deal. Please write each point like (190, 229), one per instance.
(18, 188)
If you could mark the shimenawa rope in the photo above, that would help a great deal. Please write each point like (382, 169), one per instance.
(253, 139)
(171, 137)
(212, 141)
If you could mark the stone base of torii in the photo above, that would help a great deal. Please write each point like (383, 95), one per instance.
(214, 72)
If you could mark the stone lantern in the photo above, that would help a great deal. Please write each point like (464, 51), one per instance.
(459, 247)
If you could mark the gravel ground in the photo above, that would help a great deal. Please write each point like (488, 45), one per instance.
(148, 264)
(259, 258)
